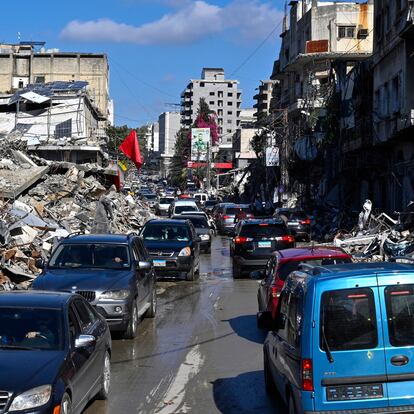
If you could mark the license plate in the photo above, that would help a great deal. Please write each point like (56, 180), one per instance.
(159, 263)
(354, 392)
(265, 244)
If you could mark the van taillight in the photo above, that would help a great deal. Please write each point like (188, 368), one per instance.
(307, 375)
(307, 221)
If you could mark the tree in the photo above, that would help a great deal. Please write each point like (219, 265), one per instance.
(178, 166)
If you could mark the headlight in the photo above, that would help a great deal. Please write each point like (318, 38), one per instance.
(31, 399)
(204, 236)
(115, 294)
(185, 252)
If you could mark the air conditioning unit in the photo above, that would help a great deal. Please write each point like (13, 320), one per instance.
(362, 33)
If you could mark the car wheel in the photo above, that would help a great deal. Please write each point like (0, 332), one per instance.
(106, 378)
(131, 331)
(152, 310)
(190, 275)
(236, 271)
(291, 405)
(269, 382)
(66, 404)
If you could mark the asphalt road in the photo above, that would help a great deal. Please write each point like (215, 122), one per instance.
(201, 354)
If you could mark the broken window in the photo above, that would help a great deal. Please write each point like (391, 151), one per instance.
(64, 129)
(346, 32)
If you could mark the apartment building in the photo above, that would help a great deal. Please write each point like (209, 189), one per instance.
(242, 149)
(393, 102)
(30, 62)
(263, 99)
(169, 124)
(223, 97)
(321, 43)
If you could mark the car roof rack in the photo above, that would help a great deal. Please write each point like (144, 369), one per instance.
(75, 233)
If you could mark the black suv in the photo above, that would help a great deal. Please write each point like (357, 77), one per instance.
(112, 272)
(174, 247)
(255, 241)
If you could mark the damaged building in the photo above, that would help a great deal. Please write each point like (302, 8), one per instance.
(321, 43)
(56, 121)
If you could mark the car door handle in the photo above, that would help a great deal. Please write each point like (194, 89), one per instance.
(399, 360)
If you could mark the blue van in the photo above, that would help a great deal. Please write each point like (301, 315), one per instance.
(343, 340)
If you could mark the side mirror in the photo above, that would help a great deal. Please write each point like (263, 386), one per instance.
(257, 275)
(40, 263)
(83, 341)
(144, 265)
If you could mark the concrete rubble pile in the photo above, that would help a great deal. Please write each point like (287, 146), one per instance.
(58, 205)
(380, 237)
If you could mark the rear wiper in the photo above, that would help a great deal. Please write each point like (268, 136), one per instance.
(326, 345)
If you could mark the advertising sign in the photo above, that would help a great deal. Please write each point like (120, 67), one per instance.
(200, 140)
(272, 157)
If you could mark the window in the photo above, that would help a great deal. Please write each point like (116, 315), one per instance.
(74, 329)
(395, 95)
(212, 93)
(348, 320)
(160, 232)
(220, 121)
(229, 131)
(230, 85)
(229, 121)
(86, 315)
(21, 84)
(39, 79)
(220, 94)
(262, 232)
(346, 32)
(220, 112)
(211, 103)
(64, 129)
(202, 84)
(229, 112)
(400, 310)
(229, 103)
(220, 103)
(230, 94)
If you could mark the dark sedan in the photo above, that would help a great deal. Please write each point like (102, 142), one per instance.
(55, 353)
(202, 229)
(174, 247)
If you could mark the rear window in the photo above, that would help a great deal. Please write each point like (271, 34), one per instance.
(166, 200)
(198, 222)
(235, 210)
(347, 320)
(288, 267)
(260, 231)
(180, 209)
(400, 313)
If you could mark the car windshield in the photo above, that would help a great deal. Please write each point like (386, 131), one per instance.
(30, 328)
(150, 196)
(161, 232)
(198, 222)
(165, 200)
(102, 256)
(263, 230)
(288, 267)
(180, 209)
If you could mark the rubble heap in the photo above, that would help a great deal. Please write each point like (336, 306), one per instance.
(31, 225)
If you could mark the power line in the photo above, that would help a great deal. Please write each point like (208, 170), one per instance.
(256, 49)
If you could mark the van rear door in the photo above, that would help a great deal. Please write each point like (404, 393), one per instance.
(397, 302)
(348, 331)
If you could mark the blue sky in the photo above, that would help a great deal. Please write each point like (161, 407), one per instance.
(155, 46)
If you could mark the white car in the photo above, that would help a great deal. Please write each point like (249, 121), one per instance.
(163, 205)
(178, 206)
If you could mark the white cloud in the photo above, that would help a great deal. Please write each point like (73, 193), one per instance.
(187, 24)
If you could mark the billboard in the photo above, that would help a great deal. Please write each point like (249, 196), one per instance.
(200, 141)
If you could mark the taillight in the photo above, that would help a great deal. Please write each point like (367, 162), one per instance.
(226, 217)
(241, 239)
(307, 375)
(307, 221)
(274, 292)
(287, 239)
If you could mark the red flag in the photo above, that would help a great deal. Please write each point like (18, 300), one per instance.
(130, 147)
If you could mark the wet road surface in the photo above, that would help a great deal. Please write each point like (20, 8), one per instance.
(201, 354)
